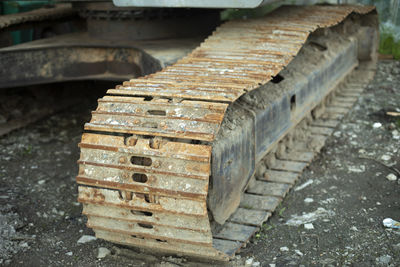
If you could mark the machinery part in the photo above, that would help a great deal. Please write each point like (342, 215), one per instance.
(194, 3)
(79, 56)
(153, 142)
(42, 14)
(118, 23)
(95, 54)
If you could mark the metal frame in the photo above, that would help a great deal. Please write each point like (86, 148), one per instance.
(194, 3)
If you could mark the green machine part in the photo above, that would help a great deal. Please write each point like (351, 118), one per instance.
(13, 7)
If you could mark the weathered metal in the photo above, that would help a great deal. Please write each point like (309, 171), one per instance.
(194, 3)
(151, 146)
(79, 56)
(54, 13)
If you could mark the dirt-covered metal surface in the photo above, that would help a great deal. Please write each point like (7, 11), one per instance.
(41, 221)
(128, 169)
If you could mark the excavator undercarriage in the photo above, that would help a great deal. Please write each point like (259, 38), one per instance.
(194, 158)
(191, 158)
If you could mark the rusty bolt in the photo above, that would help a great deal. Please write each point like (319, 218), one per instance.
(156, 164)
(132, 141)
(122, 160)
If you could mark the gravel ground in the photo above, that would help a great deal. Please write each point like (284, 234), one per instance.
(339, 215)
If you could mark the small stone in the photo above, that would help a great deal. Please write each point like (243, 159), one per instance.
(283, 249)
(384, 260)
(103, 252)
(397, 247)
(86, 238)
(378, 203)
(298, 252)
(272, 265)
(24, 245)
(354, 228)
(359, 169)
(308, 226)
(385, 157)
(396, 135)
(249, 261)
(40, 182)
(362, 151)
(337, 134)
(377, 125)
(69, 253)
(308, 200)
(256, 264)
(391, 177)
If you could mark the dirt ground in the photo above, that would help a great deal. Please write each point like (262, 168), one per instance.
(352, 186)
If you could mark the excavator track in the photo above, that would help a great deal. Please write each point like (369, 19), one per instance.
(149, 156)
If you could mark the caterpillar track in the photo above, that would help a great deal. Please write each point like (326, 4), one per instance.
(193, 159)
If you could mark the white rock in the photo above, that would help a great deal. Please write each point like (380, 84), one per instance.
(249, 261)
(308, 200)
(337, 134)
(103, 252)
(86, 238)
(308, 226)
(385, 157)
(40, 182)
(256, 264)
(298, 252)
(283, 249)
(377, 125)
(24, 245)
(69, 253)
(328, 200)
(391, 177)
(354, 228)
(396, 135)
(353, 143)
(359, 169)
(272, 265)
(300, 187)
(297, 220)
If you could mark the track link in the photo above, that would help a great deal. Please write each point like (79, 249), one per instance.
(145, 157)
